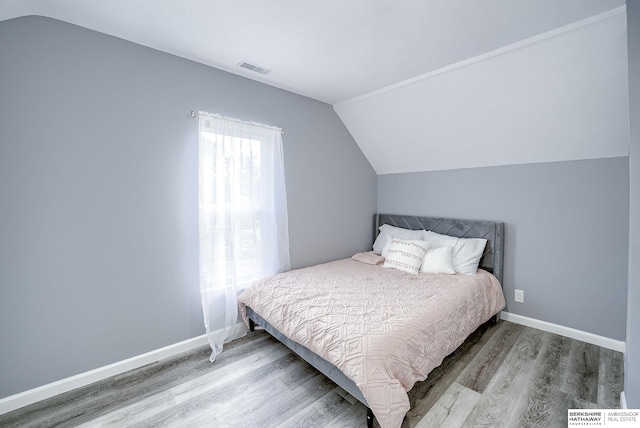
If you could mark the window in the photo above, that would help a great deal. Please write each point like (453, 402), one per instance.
(243, 216)
(232, 196)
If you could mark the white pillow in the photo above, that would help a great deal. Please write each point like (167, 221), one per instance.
(387, 232)
(405, 255)
(466, 251)
(438, 260)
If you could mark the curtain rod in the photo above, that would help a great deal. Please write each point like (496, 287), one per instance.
(196, 114)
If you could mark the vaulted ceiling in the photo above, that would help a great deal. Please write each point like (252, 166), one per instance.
(389, 60)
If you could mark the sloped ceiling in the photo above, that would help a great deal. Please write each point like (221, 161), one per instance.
(378, 61)
(559, 96)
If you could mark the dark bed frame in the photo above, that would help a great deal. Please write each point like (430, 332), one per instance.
(492, 261)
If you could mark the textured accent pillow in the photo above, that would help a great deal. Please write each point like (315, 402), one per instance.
(388, 232)
(406, 256)
(369, 258)
(438, 260)
(466, 251)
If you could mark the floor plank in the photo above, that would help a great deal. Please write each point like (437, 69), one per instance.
(425, 394)
(503, 375)
(582, 379)
(452, 409)
(508, 382)
(542, 402)
(611, 377)
(481, 370)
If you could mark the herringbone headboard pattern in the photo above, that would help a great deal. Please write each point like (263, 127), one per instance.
(493, 231)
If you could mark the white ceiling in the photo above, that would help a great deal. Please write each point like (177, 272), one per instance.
(559, 96)
(329, 50)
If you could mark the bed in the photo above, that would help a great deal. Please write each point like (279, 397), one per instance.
(374, 330)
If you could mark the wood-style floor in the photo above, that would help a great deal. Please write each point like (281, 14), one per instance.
(504, 375)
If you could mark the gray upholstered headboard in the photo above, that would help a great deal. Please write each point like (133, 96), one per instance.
(493, 231)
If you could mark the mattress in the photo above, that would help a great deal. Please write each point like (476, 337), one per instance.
(383, 328)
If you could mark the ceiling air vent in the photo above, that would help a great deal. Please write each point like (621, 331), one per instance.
(254, 67)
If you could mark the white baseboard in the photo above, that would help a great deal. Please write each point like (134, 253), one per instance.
(14, 402)
(623, 401)
(594, 339)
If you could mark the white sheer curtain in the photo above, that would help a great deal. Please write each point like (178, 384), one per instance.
(243, 217)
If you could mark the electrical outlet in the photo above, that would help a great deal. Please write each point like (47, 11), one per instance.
(519, 296)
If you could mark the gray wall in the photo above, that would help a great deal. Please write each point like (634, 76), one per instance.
(632, 357)
(566, 232)
(98, 191)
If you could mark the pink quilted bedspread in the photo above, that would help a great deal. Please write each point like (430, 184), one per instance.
(384, 329)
